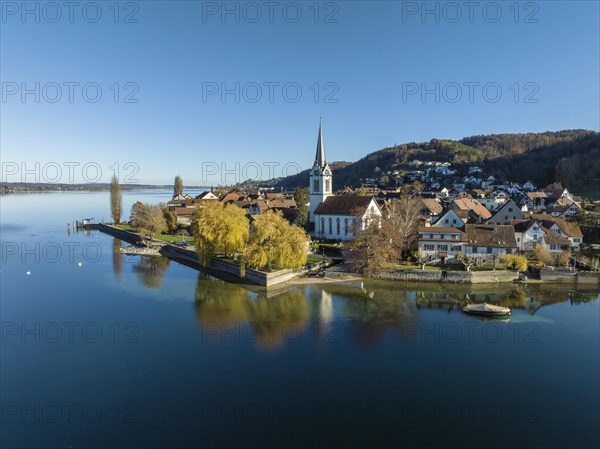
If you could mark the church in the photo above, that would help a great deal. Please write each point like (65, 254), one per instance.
(335, 217)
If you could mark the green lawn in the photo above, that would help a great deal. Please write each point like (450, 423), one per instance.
(415, 267)
(164, 237)
(126, 227)
(313, 259)
(174, 238)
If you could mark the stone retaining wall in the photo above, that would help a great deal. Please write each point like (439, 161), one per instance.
(190, 258)
(129, 237)
(580, 277)
(458, 277)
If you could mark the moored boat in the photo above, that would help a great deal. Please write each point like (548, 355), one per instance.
(486, 310)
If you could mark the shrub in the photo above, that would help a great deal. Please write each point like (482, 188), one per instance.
(515, 262)
(542, 255)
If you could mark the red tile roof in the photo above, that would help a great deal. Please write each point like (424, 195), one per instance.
(344, 205)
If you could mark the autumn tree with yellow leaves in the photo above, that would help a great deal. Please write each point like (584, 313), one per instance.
(219, 228)
(275, 242)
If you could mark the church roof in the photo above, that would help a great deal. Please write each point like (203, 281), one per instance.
(344, 205)
(320, 160)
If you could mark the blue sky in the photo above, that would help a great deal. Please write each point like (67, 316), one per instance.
(372, 58)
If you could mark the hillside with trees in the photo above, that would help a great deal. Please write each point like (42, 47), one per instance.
(571, 157)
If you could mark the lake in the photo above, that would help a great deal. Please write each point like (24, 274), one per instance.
(104, 350)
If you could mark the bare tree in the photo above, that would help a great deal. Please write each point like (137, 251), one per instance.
(468, 262)
(403, 217)
(371, 250)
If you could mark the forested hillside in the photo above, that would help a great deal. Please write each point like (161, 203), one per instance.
(571, 157)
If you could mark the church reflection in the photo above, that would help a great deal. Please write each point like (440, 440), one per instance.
(362, 313)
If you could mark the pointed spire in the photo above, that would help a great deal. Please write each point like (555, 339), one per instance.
(320, 160)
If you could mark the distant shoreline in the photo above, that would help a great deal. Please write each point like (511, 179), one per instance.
(18, 188)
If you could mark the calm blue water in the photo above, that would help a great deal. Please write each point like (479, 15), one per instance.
(104, 350)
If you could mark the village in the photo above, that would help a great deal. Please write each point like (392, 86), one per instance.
(476, 216)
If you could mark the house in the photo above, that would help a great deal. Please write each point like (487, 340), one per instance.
(178, 201)
(439, 243)
(529, 186)
(207, 196)
(535, 200)
(475, 209)
(554, 194)
(477, 193)
(183, 215)
(431, 209)
(530, 233)
(450, 218)
(492, 203)
(567, 229)
(487, 242)
(232, 197)
(506, 213)
(338, 216)
(445, 170)
(564, 208)
(257, 207)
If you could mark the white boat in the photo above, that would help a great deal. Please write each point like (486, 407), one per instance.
(486, 310)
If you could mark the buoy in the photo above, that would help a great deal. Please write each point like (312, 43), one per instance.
(28, 273)
(79, 263)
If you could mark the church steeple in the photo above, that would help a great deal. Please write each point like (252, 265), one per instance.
(320, 176)
(320, 160)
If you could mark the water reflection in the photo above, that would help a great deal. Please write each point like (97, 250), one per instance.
(151, 270)
(270, 319)
(366, 311)
(117, 259)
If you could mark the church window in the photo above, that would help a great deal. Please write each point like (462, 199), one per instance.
(316, 185)
(338, 226)
(327, 185)
(330, 225)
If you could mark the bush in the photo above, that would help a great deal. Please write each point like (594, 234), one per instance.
(542, 255)
(515, 262)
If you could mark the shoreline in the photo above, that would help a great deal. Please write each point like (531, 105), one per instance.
(334, 273)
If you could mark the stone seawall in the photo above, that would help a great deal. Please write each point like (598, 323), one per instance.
(579, 277)
(457, 277)
(129, 237)
(253, 276)
(219, 268)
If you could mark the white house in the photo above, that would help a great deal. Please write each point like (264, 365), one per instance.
(506, 213)
(440, 243)
(567, 229)
(207, 196)
(492, 203)
(530, 233)
(339, 216)
(449, 219)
